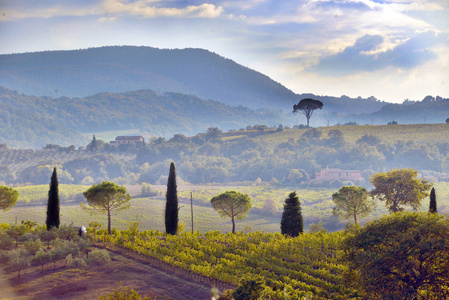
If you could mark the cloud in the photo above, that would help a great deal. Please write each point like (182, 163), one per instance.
(106, 8)
(363, 57)
(146, 9)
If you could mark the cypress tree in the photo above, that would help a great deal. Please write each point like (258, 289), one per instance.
(291, 222)
(53, 202)
(171, 207)
(433, 201)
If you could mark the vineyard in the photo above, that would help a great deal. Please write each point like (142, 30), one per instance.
(291, 267)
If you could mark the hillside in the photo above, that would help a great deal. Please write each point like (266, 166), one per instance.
(81, 73)
(31, 121)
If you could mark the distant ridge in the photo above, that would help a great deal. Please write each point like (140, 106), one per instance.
(114, 69)
(31, 121)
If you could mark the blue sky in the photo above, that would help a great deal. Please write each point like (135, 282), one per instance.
(390, 49)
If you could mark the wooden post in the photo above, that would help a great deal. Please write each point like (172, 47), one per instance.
(191, 208)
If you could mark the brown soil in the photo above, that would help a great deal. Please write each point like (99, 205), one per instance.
(91, 282)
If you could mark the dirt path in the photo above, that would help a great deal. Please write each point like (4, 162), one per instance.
(91, 282)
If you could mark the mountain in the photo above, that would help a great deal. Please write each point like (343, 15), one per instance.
(32, 121)
(117, 69)
(80, 73)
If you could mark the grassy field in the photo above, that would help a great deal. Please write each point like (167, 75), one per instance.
(390, 134)
(316, 205)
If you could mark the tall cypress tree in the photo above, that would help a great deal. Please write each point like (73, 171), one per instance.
(53, 202)
(171, 207)
(291, 222)
(433, 201)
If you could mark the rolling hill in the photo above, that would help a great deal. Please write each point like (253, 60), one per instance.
(31, 121)
(80, 73)
(117, 69)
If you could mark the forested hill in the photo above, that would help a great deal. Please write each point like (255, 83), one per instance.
(81, 73)
(31, 121)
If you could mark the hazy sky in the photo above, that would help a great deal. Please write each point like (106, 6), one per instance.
(390, 49)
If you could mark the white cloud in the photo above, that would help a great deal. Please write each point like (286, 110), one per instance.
(139, 8)
(145, 9)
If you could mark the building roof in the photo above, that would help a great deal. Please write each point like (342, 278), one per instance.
(129, 138)
(340, 170)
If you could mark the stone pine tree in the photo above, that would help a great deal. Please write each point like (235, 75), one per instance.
(291, 222)
(106, 197)
(53, 202)
(433, 201)
(307, 106)
(171, 207)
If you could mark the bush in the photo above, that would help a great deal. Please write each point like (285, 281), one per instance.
(147, 191)
(123, 293)
(385, 251)
(99, 257)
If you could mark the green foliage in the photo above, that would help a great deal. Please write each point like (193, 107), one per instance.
(98, 257)
(106, 197)
(433, 201)
(148, 191)
(232, 204)
(94, 226)
(29, 224)
(352, 201)
(291, 268)
(123, 293)
(16, 231)
(41, 258)
(250, 289)
(402, 256)
(6, 242)
(307, 106)
(53, 203)
(8, 197)
(291, 222)
(75, 263)
(18, 260)
(33, 246)
(399, 187)
(317, 228)
(48, 235)
(171, 207)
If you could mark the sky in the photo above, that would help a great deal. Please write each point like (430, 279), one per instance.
(390, 49)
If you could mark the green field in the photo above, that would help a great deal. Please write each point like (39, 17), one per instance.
(316, 206)
(389, 134)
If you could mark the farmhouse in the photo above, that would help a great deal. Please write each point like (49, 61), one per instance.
(337, 174)
(134, 141)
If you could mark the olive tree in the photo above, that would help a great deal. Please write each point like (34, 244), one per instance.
(99, 257)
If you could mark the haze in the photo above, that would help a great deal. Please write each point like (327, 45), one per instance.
(393, 50)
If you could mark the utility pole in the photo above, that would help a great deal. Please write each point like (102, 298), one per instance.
(191, 208)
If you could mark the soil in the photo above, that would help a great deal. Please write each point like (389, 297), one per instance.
(91, 282)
